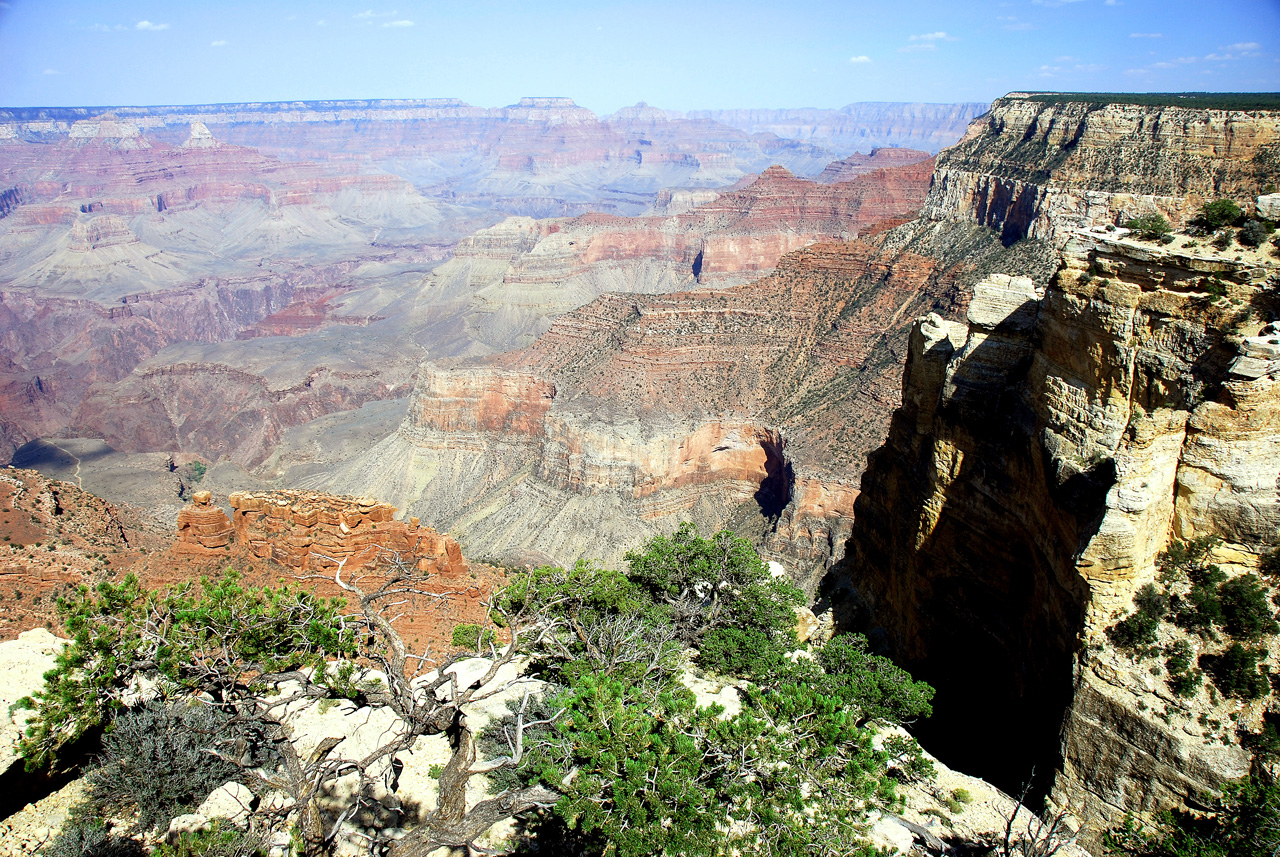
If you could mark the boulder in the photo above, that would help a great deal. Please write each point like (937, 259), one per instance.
(231, 802)
(806, 624)
(1269, 206)
(192, 822)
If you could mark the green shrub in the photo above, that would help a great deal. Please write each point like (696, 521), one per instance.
(1186, 683)
(1134, 631)
(1246, 614)
(1265, 743)
(738, 651)
(1243, 822)
(468, 636)
(1253, 233)
(1152, 601)
(1223, 238)
(908, 759)
(1235, 672)
(1179, 656)
(157, 759)
(1140, 628)
(219, 840)
(873, 685)
(1270, 564)
(703, 586)
(1183, 680)
(1183, 559)
(1219, 213)
(88, 837)
(1149, 227)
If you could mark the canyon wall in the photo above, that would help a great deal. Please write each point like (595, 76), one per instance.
(752, 406)
(1041, 169)
(145, 250)
(506, 285)
(1050, 448)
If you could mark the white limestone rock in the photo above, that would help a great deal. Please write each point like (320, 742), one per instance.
(1269, 206)
(231, 802)
(23, 663)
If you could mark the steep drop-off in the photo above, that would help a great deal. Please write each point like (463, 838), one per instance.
(1047, 451)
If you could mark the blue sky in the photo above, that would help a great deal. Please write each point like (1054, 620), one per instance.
(677, 55)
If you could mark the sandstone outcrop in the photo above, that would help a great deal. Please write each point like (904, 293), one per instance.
(306, 530)
(202, 526)
(23, 663)
(1042, 169)
(1044, 454)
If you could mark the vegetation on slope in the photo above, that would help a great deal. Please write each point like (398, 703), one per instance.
(616, 756)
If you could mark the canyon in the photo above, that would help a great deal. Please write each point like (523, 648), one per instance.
(1074, 400)
(950, 394)
(131, 287)
(1053, 444)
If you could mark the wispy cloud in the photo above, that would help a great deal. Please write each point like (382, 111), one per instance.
(919, 46)
(51, 71)
(933, 37)
(398, 24)
(1009, 22)
(321, 22)
(860, 58)
(1053, 3)
(106, 28)
(1146, 35)
(147, 25)
(1235, 52)
(1077, 68)
(218, 43)
(368, 14)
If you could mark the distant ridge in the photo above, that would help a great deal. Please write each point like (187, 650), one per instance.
(1201, 100)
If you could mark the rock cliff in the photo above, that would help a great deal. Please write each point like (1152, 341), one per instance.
(505, 285)
(753, 405)
(1050, 448)
(1041, 169)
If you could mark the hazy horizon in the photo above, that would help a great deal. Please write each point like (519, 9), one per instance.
(681, 57)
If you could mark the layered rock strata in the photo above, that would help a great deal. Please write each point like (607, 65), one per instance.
(751, 406)
(307, 530)
(202, 526)
(506, 285)
(1044, 454)
(1041, 169)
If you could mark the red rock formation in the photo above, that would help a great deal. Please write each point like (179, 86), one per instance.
(308, 530)
(53, 536)
(202, 527)
(512, 403)
(859, 164)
